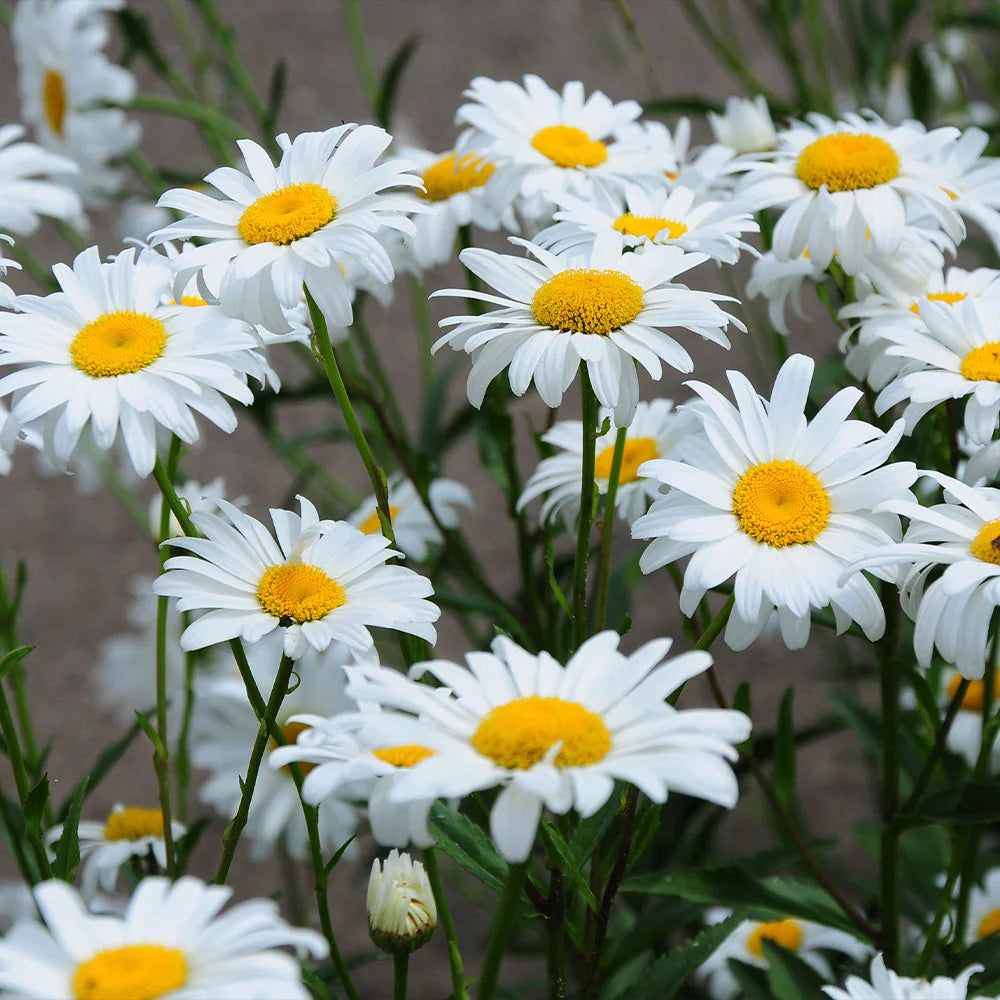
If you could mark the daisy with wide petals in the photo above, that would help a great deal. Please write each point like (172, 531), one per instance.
(267, 234)
(320, 581)
(172, 943)
(552, 736)
(603, 308)
(884, 984)
(779, 503)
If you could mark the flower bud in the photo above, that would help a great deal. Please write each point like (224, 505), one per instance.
(402, 914)
(746, 125)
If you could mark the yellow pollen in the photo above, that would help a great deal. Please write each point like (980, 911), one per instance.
(973, 699)
(403, 756)
(450, 176)
(637, 451)
(291, 730)
(287, 215)
(986, 544)
(299, 591)
(787, 933)
(584, 300)
(133, 823)
(781, 503)
(371, 524)
(191, 300)
(54, 100)
(520, 733)
(568, 146)
(982, 364)
(990, 924)
(950, 297)
(134, 972)
(649, 226)
(118, 343)
(847, 161)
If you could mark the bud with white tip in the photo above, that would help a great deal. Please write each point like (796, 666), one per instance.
(402, 914)
(745, 126)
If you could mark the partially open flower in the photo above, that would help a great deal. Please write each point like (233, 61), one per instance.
(402, 914)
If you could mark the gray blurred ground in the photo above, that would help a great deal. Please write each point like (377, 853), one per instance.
(81, 550)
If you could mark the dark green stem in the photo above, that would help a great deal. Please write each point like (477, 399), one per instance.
(458, 990)
(585, 524)
(400, 974)
(503, 921)
(889, 854)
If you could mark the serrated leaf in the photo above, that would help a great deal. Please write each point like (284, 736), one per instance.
(555, 844)
(784, 751)
(68, 850)
(789, 977)
(467, 845)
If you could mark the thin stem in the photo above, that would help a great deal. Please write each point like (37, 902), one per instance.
(503, 921)
(447, 922)
(556, 954)
(182, 760)
(607, 531)
(9, 641)
(580, 563)
(359, 46)
(889, 854)
(422, 314)
(400, 973)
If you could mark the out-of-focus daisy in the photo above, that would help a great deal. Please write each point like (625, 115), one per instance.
(171, 942)
(106, 352)
(402, 913)
(414, 528)
(222, 734)
(746, 944)
(128, 832)
(138, 218)
(653, 433)
(543, 142)
(673, 218)
(745, 126)
(550, 735)
(884, 984)
(781, 503)
(266, 235)
(320, 581)
(603, 308)
(966, 734)
(64, 78)
(841, 182)
(984, 908)
(29, 187)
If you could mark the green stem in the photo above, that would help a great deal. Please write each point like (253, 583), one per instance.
(400, 974)
(422, 314)
(556, 954)
(585, 524)
(359, 46)
(182, 760)
(458, 990)
(889, 854)
(607, 531)
(503, 921)
(373, 364)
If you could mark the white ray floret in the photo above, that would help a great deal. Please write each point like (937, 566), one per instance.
(884, 984)
(31, 185)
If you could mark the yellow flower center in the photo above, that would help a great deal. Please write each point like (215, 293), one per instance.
(520, 733)
(133, 823)
(950, 297)
(637, 451)
(291, 730)
(649, 226)
(118, 343)
(982, 364)
(287, 215)
(54, 100)
(371, 524)
(403, 756)
(134, 972)
(299, 591)
(191, 300)
(847, 161)
(568, 146)
(450, 176)
(787, 933)
(990, 924)
(973, 699)
(781, 503)
(986, 544)
(584, 300)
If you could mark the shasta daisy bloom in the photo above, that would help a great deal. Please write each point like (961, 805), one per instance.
(172, 943)
(984, 907)
(745, 126)
(884, 984)
(106, 351)
(603, 308)
(267, 234)
(550, 735)
(839, 181)
(653, 433)
(31, 185)
(781, 504)
(973, 181)
(320, 581)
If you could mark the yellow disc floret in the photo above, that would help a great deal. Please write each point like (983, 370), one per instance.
(450, 176)
(990, 924)
(299, 591)
(585, 300)
(847, 161)
(287, 215)
(118, 343)
(787, 933)
(986, 544)
(520, 733)
(982, 364)
(133, 823)
(405, 755)
(948, 297)
(134, 972)
(649, 226)
(781, 503)
(568, 146)
(291, 730)
(54, 100)
(636, 451)
(371, 525)
(972, 701)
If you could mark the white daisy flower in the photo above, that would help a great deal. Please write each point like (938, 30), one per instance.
(745, 126)
(746, 944)
(604, 308)
(412, 524)
(320, 581)
(839, 181)
(778, 502)
(884, 984)
(171, 943)
(29, 186)
(223, 730)
(200, 499)
(965, 738)
(138, 218)
(550, 735)
(706, 170)
(543, 142)
(973, 180)
(11, 437)
(653, 433)
(778, 280)
(64, 78)
(106, 352)
(984, 908)
(267, 234)
(642, 217)
(128, 832)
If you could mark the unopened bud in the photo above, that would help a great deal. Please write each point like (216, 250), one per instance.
(402, 914)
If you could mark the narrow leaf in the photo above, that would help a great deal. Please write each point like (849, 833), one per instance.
(68, 851)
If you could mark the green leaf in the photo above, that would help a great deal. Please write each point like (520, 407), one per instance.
(558, 850)
(969, 805)
(315, 985)
(335, 860)
(185, 845)
(276, 93)
(553, 582)
(753, 981)
(682, 104)
(467, 845)
(391, 79)
(590, 831)
(152, 736)
(12, 659)
(68, 851)
(784, 751)
(34, 808)
(790, 978)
